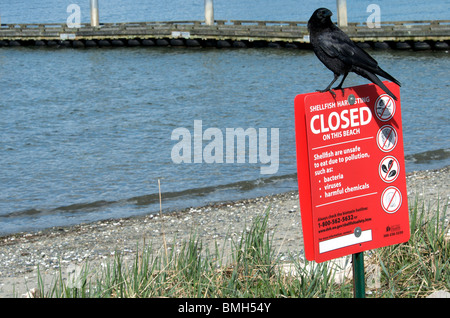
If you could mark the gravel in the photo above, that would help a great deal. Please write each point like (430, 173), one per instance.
(66, 249)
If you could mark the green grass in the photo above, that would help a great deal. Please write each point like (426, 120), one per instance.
(413, 269)
(422, 265)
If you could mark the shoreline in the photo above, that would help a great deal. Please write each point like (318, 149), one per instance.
(66, 249)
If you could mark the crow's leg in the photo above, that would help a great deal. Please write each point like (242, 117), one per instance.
(342, 82)
(328, 89)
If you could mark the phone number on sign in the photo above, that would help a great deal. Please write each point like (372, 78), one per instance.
(345, 218)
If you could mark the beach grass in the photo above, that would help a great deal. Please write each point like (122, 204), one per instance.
(252, 268)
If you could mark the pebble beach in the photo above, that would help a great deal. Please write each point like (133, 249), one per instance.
(65, 249)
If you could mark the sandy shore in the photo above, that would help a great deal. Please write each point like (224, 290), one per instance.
(66, 249)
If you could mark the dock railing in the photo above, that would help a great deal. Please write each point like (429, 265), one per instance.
(229, 30)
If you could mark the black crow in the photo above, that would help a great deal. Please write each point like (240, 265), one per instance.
(340, 54)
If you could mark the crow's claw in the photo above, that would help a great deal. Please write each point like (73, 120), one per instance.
(340, 88)
(327, 90)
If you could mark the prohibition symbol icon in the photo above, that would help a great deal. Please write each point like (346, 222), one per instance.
(384, 107)
(389, 169)
(391, 199)
(387, 138)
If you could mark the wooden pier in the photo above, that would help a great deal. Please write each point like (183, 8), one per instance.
(415, 35)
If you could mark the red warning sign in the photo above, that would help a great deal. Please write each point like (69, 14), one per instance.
(351, 174)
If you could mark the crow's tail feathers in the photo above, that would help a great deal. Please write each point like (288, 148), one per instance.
(386, 75)
(374, 79)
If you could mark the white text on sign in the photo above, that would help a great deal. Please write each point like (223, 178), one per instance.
(353, 117)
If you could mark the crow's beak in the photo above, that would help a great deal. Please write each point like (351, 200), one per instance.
(327, 14)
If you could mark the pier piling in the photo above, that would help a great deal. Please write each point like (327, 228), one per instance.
(342, 13)
(94, 13)
(209, 12)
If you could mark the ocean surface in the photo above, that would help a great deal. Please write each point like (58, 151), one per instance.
(87, 134)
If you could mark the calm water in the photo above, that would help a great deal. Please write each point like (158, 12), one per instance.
(86, 134)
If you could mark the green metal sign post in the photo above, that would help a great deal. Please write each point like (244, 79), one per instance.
(358, 275)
